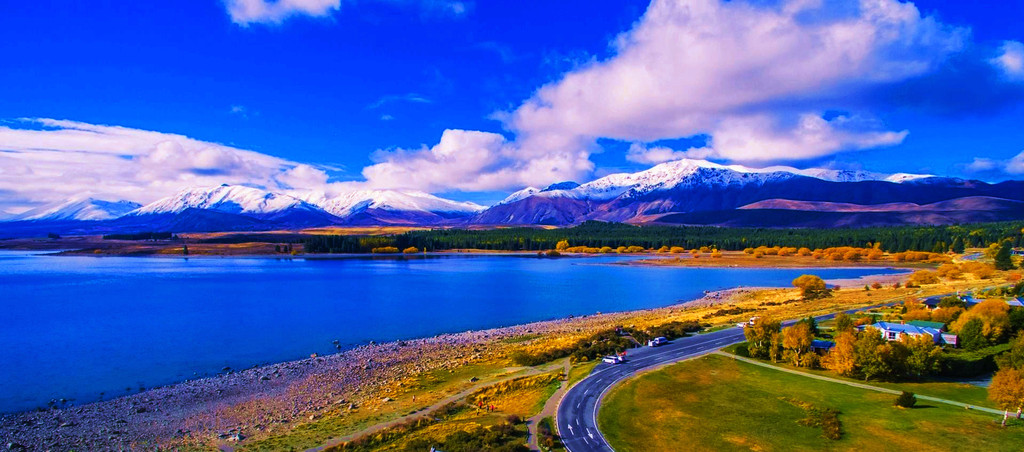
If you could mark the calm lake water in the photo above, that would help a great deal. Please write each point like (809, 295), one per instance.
(76, 327)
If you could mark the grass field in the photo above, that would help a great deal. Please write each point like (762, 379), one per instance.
(427, 388)
(962, 392)
(716, 403)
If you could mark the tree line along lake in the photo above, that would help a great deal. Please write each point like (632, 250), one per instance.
(78, 327)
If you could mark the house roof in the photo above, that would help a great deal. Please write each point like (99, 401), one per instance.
(906, 328)
(1017, 302)
(932, 301)
(822, 344)
(926, 324)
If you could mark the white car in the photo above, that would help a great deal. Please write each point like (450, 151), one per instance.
(657, 341)
(612, 359)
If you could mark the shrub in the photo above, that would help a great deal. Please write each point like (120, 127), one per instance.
(812, 287)
(384, 250)
(965, 363)
(906, 400)
(923, 277)
(411, 250)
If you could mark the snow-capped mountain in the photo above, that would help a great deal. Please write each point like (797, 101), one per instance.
(693, 172)
(518, 195)
(225, 198)
(394, 200)
(396, 207)
(685, 191)
(690, 185)
(78, 209)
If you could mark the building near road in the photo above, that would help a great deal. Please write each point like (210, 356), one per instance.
(897, 331)
(821, 347)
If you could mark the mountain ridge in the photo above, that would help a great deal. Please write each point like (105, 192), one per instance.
(676, 192)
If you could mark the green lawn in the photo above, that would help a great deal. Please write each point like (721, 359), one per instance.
(961, 392)
(716, 403)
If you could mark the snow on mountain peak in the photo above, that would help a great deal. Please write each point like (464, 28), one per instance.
(224, 198)
(394, 200)
(905, 177)
(78, 209)
(521, 194)
(695, 172)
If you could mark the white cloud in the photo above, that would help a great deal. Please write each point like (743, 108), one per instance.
(244, 12)
(56, 159)
(410, 97)
(473, 161)
(996, 168)
(756, 79)
(1011, 59)
(761, 138)
(693, 67)
(639, 153)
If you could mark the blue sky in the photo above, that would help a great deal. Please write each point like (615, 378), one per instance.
(332, 96)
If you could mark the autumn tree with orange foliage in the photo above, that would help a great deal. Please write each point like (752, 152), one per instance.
(994, 316)
(796, 342)
(842, 358)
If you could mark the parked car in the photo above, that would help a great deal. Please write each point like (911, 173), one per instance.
(657, 341)
(614, 359)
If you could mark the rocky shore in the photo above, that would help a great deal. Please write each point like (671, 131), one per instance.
(259, 401)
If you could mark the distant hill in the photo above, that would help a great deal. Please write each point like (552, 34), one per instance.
(686, 191)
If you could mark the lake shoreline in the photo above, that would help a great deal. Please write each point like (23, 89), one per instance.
(176, 411)
(192, 410)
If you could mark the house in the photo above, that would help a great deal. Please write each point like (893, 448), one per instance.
(896, 331)
(932, 302)
(821, 347)
(1015, 302)
(971, 301)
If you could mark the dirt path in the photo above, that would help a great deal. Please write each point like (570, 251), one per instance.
(549, 409)
(860, 385)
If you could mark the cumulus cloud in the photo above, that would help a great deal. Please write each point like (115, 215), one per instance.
(997, 168)
(46, 160)
(639, 153)
(1011, 59)
(759, 80)
(762, 138)
(740, 73)
(473, 161)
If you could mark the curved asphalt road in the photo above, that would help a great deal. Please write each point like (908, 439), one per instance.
(577, 413)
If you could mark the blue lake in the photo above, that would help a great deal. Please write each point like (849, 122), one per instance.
(76, 327)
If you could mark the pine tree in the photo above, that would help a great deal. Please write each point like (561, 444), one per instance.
(958, 246)
(1003, 259)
